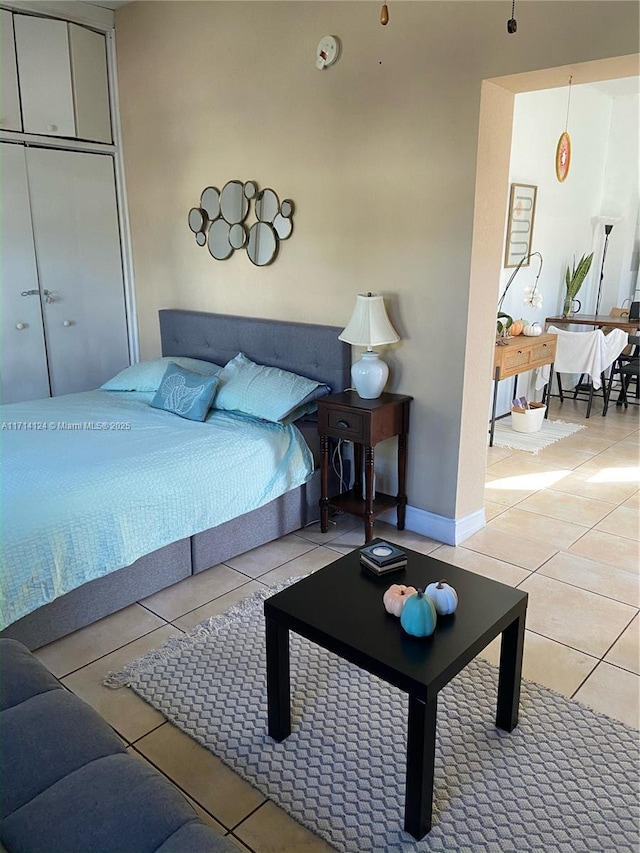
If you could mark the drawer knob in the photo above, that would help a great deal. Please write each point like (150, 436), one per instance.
(343, 424)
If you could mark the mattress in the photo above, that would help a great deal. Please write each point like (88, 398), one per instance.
(93, 481)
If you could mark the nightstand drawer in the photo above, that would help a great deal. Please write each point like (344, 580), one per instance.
(343, 423)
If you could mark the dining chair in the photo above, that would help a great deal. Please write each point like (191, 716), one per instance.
(626, 367)
(588, 354)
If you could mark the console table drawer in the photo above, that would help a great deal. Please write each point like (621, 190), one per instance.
(543, 352)
(519, 358)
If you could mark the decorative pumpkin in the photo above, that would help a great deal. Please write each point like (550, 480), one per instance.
(533, 330)
(419, 616)
(444, 597)
(395, 597)
(517, 328)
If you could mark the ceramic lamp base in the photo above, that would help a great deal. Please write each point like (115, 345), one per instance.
(369, 375)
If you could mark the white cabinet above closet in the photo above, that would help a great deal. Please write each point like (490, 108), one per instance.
(62, 73)
(10, 118)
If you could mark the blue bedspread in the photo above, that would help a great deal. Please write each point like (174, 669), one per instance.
(93, 481)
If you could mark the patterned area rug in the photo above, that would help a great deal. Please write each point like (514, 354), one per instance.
(566, 779)
(550, 432)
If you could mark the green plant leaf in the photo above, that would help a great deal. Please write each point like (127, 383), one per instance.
(574, 278)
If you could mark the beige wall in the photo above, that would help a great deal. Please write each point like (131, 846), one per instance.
(378, 153)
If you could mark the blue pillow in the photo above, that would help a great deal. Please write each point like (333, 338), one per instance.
(147, 375)
(264, 392)
(185, 393)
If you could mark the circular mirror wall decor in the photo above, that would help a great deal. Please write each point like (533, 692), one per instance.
(210, 202)
(220, 221)
(267, 206)
(219, 246)
(237, 236)
(283, 226)
(262, 245)
(234, 205)
(197, 220)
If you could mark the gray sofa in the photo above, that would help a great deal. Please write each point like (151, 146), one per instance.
(68, 785)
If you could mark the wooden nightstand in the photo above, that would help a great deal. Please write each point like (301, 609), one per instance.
(365, 423)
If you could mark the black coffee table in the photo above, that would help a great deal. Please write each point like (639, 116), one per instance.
(340, 608)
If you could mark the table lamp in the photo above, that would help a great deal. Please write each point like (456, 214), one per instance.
(369, 326)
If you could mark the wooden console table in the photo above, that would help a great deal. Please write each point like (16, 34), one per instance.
(518, 355)
(365, 423)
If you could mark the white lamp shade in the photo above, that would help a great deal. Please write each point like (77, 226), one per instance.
(369, 325)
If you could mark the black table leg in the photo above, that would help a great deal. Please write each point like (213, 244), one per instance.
(510, 673)
(493, 406)
(421, 749)
(278, 690)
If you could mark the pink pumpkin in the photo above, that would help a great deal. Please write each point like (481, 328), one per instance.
(395, 597)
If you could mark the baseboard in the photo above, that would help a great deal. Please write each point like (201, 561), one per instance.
(451, 531)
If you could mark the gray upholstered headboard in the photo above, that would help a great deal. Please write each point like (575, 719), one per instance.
(303, 348)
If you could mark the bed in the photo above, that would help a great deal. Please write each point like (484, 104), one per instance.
(133, 564)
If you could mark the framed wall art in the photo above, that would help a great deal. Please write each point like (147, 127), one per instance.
(522, 210)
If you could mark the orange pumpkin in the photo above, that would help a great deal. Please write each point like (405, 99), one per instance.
(395, 597)
(517, 328)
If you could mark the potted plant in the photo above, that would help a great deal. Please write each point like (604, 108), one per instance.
(573, 280)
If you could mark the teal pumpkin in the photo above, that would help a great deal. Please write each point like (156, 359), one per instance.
(418, 616)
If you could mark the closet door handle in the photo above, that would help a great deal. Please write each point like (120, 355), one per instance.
(20, 326)
(48, 294)
(67, 323)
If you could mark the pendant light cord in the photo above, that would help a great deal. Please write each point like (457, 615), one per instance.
(566, 122)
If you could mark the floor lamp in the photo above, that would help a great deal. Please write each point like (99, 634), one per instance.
(607, 230)
(608, 222)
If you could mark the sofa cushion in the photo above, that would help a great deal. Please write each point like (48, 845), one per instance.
(68, 783)
(115, 804)
(23, 675)
(54, 734)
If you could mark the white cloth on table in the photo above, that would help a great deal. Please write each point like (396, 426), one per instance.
(583, 352)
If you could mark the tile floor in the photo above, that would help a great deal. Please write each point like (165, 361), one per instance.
(563, 525)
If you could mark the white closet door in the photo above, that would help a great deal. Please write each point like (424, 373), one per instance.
(23, 367)
(90, 83)
(10, 118)
(44, 67)
(75, 225)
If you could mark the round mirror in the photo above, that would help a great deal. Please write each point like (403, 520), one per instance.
(237, 236)
(250, 189)
(210, 202)
(267, 206)
(283, 226)
(233, 202)
(263, 244)
(286, 208)
(201, 238)
(197, 219)
(219, 245)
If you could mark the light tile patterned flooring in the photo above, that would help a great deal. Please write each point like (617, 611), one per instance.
(563, 525)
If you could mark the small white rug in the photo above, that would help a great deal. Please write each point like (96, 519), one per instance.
(550, 432)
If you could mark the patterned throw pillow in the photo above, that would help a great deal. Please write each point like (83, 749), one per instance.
(185, 393)
(264, 392)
